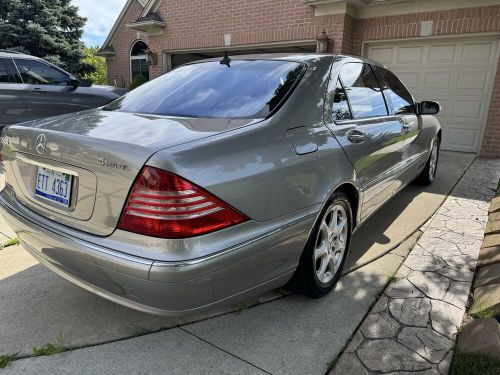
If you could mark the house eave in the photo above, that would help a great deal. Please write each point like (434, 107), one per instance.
(150, 27)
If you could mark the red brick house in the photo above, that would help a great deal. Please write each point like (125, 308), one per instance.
(442, 49)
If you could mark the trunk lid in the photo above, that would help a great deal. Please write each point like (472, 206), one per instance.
(103, 151)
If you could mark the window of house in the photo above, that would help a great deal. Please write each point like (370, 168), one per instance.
(36, 72)
(138, 64)
(363, 90)
(400, 97)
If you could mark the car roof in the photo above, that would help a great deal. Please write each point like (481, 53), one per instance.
(13, 54)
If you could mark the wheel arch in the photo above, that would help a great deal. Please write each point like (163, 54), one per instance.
(354, 198)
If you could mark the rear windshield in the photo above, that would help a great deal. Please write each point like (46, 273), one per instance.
(246, 89)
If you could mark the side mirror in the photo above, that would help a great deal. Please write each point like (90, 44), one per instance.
(73, 82)
(428, 107)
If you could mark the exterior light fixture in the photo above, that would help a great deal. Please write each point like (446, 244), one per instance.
(322, 42)
(151, 57)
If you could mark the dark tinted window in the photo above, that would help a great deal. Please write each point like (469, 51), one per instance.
(363, 90)
(399, 96)
(4, 72)
(247, 89)
(36, 72)
(340, 108)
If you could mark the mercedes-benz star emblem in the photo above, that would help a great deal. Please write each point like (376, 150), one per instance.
(41, 143)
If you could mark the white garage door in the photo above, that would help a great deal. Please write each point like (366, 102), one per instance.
(458, 73)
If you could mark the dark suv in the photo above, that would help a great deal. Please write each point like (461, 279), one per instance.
(31, 88)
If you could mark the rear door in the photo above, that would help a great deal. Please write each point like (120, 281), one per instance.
(370, 136)
(47, 90)
(12, 105)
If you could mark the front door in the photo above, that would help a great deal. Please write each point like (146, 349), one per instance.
(371, 138)
(47, 90)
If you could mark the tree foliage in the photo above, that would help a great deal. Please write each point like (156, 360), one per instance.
(98, 64)
(50, 29)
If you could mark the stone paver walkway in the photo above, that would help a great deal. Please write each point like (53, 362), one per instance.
(412, 327)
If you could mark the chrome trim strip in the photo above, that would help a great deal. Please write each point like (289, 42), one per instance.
(171, 216)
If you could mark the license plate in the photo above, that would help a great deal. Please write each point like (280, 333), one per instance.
(54, 186)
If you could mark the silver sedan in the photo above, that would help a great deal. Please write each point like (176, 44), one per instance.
(219, 180)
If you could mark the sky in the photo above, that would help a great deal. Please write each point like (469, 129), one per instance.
(101, 15)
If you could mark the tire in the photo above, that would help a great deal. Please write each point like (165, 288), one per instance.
(317, 274)
(426, 177)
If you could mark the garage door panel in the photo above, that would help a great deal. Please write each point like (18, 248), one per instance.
(409, 54)
(458, 73)
(478, 52)
(477, 81)
(437, 80)
(442, 53)
(461, 139)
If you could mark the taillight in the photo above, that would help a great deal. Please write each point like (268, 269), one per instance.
(162, 204)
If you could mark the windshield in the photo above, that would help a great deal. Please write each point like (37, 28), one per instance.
(246, 89)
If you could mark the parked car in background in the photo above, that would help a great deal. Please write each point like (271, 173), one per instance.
(32, 88)
(218, 180)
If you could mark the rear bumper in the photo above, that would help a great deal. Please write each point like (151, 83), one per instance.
(159, 287)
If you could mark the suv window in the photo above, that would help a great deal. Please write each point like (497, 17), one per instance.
(399, 96)
(247, 89)
(363, 90)
(36, 72)
(340, 108)
(5, 76)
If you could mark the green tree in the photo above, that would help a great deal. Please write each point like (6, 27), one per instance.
(98, 64)
(50, 29)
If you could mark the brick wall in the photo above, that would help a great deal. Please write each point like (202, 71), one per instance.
(491, 140)
(202, 23)
(446, 22)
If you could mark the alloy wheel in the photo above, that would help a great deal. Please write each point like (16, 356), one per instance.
(331, 243)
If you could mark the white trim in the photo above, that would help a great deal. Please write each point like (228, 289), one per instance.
(116, 25)
(138, 57)
(151, 7)
(298, 43)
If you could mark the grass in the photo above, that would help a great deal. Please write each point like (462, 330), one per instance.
(479, 311)
(50, 349)
(5, 359)
(11, 242)
(242, 306)
(473, 364)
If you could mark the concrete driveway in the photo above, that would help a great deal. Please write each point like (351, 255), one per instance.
(280, 334)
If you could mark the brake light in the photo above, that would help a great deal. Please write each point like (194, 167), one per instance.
(162, 204)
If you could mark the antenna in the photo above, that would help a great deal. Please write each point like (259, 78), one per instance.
(226, 60)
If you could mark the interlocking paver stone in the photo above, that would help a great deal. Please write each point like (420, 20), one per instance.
(446, 318)
(388, 355)
(411, 311)
(402, 289)
(431, 284)
(424, 341)
(380, 325)
(426, 303)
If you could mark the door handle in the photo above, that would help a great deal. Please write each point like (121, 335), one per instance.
(355, 136)
(38, 90)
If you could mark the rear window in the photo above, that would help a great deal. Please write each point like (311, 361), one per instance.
(246, 89)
